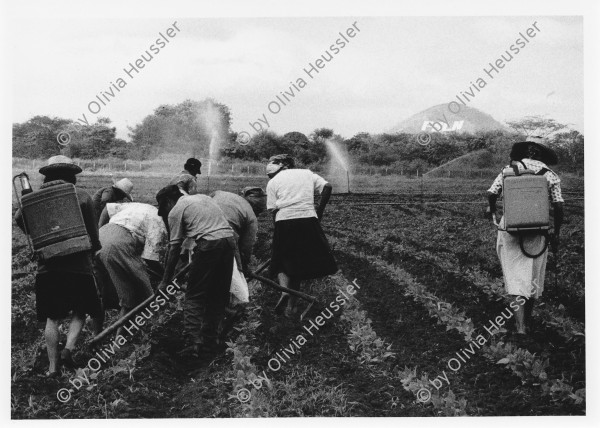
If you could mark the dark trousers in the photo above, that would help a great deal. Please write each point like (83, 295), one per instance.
(207, 293)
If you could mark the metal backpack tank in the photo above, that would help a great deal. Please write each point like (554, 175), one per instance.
(526, 204)
(54, 221)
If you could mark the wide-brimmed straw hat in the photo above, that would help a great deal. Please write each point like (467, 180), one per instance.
(520, 150)
(58, 163)
(125, 185)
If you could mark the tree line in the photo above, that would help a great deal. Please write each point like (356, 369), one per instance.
(188, 128)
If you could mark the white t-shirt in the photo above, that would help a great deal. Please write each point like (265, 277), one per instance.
(292, 192)
(143, 222)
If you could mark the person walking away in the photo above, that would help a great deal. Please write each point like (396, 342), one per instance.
(65, 284)
(523, 275)
(186, 180)
(198, 217)
(120, 191)
(300, 250)
(130, 233)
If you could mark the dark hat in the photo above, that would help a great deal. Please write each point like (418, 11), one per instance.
(254, 191)
(193, 164)
(283, 159)
(167, 193)
(60, 163)
(256, 197)
(520, 150)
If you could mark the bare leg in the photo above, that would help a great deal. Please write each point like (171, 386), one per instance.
(520, 316)
(51, 335)
(284, 281)
(75, 328)
(529, 309)
(294, 284)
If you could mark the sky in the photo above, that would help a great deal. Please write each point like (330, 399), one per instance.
(392, 68)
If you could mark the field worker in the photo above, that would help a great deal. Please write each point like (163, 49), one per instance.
(186, 180)
(300, 249)
(207, 294)
(524, 276)
(66, 284)
(120, 191)
(129, 233)
(241, 212)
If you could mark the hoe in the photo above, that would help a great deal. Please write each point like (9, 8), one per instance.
(178, 276)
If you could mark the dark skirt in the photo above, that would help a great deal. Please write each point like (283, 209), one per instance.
(59, 293)
(301, 250)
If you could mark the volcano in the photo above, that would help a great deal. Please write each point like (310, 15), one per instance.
(439, 118)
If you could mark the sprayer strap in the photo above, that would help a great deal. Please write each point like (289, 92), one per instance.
(516, 168)
(542, 171)
(534, 256)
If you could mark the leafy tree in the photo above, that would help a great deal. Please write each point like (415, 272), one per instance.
(95, 141)
(187, 127)
(36, 138)
(570, 149)
(360, 143)
(322, 133)
(536, 126)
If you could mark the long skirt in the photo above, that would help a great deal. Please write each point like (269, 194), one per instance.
(124, 279)
(523, 276)
(301, 250)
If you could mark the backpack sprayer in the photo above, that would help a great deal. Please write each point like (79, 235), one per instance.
(526, 205)
(51, 219)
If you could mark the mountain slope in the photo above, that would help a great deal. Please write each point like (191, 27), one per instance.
(439, 118)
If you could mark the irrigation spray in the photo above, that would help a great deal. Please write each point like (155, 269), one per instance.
(338, 159)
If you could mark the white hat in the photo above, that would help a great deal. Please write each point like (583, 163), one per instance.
(125, 185)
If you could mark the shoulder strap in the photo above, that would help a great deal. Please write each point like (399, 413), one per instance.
(515, 168)
(542, 171)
